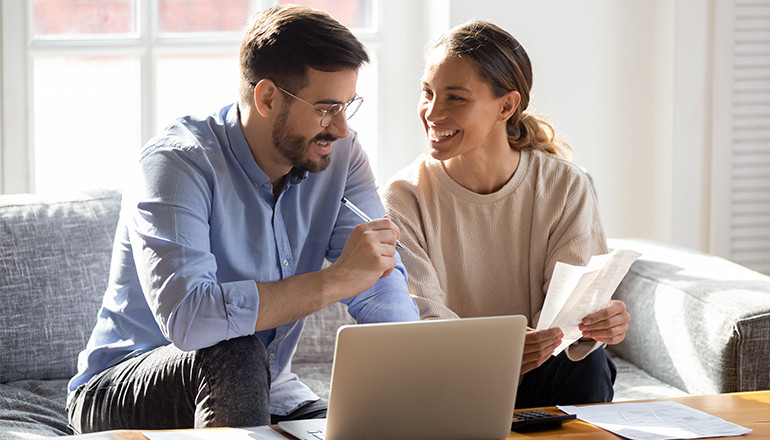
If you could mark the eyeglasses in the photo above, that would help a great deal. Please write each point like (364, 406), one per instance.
(328, 114)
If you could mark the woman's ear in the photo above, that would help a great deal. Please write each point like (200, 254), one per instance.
(264, 97)
(511, 102)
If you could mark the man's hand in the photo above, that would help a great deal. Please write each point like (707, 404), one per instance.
(538, 347)
(608, 325)
(368, 255)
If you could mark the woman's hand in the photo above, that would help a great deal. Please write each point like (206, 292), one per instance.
(608, 325)
(538, 347)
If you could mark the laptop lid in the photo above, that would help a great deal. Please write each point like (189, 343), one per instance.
(448, 379)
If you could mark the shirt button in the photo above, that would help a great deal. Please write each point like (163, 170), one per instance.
(267, 186)
(271, 356)
(285, 263)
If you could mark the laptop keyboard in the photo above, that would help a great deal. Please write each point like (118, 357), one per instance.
(320, 434)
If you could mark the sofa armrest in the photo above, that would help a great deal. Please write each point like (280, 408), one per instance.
(698, 322)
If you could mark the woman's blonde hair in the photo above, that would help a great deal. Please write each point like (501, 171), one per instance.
(503, 64)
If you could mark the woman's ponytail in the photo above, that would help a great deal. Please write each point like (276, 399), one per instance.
(504, 64)
(527, 131)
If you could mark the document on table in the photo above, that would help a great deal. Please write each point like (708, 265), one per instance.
(655, 420)
(577, 291)
(260, 432)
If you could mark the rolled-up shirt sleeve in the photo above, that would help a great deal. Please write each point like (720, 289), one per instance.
(169, 234)
(388, 299)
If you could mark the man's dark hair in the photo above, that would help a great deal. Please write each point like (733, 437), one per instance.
(282, 42)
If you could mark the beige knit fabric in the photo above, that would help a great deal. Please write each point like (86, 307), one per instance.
(471, 255)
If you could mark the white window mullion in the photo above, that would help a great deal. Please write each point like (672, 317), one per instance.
(148, 34)
(15, 158)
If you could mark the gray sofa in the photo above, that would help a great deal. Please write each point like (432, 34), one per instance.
(701, 324)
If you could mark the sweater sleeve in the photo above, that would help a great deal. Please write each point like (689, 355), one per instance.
(577, 237)
(402, 205)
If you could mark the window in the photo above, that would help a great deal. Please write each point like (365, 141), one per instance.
(92, 80)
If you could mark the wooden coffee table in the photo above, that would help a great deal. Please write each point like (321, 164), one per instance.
(749, 409)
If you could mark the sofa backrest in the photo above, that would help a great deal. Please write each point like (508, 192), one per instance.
(54, 262)
(316, 346)
(698, 322)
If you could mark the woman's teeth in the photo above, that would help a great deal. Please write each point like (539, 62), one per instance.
(441, 133)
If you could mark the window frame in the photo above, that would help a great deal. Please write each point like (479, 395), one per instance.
(17, 143)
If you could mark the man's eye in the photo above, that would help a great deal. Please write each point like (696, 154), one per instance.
(456, 98)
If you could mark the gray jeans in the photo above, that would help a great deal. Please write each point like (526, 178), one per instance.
(166, 388)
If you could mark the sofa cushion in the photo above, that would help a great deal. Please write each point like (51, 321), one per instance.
(698, 322)
(316, 345)
(312, 362)
(29, 408)
(54, 263)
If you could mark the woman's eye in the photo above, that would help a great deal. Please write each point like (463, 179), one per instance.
(456, 98)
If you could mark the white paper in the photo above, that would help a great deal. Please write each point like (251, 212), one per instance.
(655, 420)
(260, 432)
(577, 291)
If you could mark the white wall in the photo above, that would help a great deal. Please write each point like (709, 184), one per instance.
(626, 83)
(407, 29)
(605, 71)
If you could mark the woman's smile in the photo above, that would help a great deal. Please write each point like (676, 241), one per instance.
(441, 135)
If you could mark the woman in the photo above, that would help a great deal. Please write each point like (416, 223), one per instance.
(493, 205)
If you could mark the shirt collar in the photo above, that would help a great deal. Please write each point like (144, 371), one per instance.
(243, 154)
(296, 176)
(241, 148)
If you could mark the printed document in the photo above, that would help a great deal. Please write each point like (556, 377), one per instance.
(260, 432)
(577, 291)
(655, 420)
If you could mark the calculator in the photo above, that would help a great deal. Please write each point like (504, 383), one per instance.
(538, 420)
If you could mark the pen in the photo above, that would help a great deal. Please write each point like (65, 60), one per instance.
(362, 215)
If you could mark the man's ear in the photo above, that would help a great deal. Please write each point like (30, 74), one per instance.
(511, 102)
(265, 97)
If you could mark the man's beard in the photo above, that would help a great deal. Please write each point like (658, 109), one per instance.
(295, 148)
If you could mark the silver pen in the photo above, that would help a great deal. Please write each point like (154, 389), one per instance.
(362, 215)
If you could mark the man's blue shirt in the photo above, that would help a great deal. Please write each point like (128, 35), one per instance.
(200, 226)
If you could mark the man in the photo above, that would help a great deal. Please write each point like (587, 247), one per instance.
(221, 240)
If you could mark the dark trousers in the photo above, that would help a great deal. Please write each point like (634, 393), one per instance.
(560, 381)
(227, 384)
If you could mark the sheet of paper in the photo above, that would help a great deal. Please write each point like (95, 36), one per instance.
(576, 291)
(260, 432)
(655, 420)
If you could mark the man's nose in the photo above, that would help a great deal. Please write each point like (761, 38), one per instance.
(339, 126)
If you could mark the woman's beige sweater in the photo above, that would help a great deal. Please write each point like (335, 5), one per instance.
(470, 254)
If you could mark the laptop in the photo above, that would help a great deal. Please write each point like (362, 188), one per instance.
(446, 379)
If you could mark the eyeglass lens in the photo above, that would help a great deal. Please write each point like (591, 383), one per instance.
(350, 109)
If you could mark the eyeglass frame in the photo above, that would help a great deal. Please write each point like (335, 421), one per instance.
(333, 110)
(340, 107)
